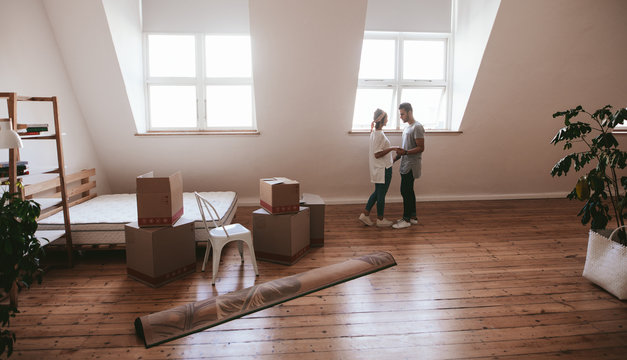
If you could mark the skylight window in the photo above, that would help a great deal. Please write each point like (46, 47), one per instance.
(199, 82)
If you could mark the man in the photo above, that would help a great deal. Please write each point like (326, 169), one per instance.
(411, 164)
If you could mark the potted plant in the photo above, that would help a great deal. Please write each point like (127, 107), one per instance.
(20, 252)
(594, 149)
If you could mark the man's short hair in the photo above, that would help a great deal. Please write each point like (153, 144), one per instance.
(405, 106)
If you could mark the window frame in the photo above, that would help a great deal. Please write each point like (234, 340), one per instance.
(200, 82)
(398, 84)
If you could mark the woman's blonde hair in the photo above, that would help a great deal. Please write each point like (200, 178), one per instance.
(379, 116)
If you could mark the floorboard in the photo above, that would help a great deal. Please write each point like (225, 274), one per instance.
(474, 280)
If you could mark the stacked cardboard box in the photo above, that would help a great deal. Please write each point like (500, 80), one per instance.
(281, 227)
(316, 218)
(159, 199)
(160, 246)
(279, 195)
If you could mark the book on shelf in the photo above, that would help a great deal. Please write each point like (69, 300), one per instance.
(29, 133)
(21, 163)
(20, 172)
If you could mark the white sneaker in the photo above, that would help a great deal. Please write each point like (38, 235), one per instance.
(401, 224)
(384, 223)
(413, 221)
(365, 219)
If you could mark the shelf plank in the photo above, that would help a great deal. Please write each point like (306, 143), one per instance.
(38, 137)
(35, 98)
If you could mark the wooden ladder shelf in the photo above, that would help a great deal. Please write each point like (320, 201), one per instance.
(58, 183)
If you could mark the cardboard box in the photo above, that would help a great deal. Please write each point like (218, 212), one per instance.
(282, 238)
(279, 195)
(156, 256)
(316, 218)
(159, 199)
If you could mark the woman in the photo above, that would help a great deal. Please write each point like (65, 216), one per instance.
(380, 161)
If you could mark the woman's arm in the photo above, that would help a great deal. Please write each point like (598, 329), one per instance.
(384, 152)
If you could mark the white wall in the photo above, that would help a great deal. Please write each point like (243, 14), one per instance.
(124, 17)
(542, 56)
(410, 16)
(30, 64)
(473, 24)
(82, 33)
(189, 16)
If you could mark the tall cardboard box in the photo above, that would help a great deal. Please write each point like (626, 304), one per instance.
(159, 199)
(156, 256)
(316, 218)
(279, 195)
(282, 238)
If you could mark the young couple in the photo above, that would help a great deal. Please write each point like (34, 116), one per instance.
(381, 161)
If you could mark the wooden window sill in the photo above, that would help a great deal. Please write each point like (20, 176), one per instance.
(430, 132)
(199, 132)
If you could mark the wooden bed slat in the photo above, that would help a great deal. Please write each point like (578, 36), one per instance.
(37, 188)
(81, 189)
(33, 189)
(86, 173)
(50, 211)
(81, 200)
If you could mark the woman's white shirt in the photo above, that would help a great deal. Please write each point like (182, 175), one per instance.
(378, 142)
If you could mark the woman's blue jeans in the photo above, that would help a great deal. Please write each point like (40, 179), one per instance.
(378, 196)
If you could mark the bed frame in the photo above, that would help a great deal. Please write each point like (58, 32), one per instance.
(92, 227)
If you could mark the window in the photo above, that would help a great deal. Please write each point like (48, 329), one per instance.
(199, 82)
(403, 67)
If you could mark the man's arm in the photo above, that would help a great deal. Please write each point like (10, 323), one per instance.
(420, 147)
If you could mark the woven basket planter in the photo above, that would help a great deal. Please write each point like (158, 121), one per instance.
(606, 263)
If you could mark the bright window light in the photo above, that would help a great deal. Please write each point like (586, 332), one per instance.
(424, 59)
(401, 67)
(367, 101)
(171, 56)
(228, 56)
(229, 106)
(172, 106)
(429, 106)
(199, 82)
(377, 59)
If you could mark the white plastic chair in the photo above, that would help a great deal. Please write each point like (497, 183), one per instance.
(222, 234)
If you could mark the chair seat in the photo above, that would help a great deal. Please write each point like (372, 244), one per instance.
(232, 229)
(221, 234)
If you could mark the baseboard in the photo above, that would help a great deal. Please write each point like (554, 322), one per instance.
(426, 198)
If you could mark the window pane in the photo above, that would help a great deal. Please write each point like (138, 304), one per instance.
(367, 101)
(424, 59)
(377, 59)
(429, 106)
(228, 56)
(172, 106)
(230, 106)
(171, 55)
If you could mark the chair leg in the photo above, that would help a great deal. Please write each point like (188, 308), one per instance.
(240, 247)
(253, 258)
(204, 263)
(216, 263)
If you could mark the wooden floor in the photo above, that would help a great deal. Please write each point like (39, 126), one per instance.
(475, 279)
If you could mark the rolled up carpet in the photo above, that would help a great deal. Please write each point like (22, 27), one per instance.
(166, 325)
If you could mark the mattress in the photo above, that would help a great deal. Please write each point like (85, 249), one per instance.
(101, 220)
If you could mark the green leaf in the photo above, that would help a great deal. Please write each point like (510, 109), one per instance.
(603, 113)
